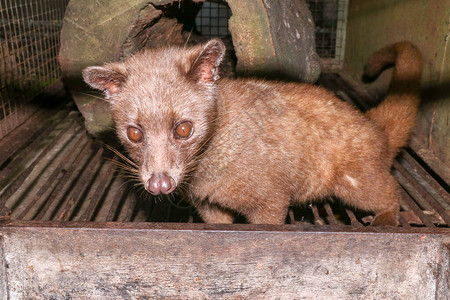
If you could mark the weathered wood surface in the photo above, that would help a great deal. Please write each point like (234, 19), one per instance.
(274, 38)
(93, 33)
(195, 263)
(269, 37)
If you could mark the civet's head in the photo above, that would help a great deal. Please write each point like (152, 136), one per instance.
(163, 103)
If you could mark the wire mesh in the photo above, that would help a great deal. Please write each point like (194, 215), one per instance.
(29, 44)
(330, 18)
(325, 18)
(212, 20)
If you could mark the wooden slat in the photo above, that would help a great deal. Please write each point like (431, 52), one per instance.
(219, 264)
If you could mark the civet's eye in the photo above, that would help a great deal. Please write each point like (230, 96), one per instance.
(134, 134)
(184, 130)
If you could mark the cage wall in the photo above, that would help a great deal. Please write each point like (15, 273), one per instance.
(29, 45)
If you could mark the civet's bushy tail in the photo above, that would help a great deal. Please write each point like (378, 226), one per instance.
(397, 113)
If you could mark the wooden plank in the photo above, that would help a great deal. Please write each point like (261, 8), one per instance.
(100, 263)
(443, 283)
(298, 227)
(3, 279)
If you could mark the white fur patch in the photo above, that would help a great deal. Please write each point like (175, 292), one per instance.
(352, 180)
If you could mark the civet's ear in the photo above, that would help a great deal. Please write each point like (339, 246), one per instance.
(205, 68)
(108, 79)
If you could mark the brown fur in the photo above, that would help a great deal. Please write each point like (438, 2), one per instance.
(259, 146)
(403, 99)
